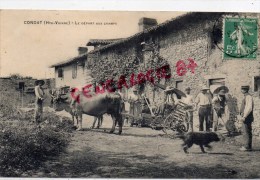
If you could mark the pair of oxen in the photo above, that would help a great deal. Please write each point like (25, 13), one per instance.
(96, 105)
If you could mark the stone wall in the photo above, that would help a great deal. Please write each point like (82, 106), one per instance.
(112, 64)
(191, 42)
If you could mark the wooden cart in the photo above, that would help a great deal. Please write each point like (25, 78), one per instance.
(173, 121)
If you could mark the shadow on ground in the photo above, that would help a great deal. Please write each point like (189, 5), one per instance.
(87, 163)
(107, 131)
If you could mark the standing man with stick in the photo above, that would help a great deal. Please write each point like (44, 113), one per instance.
(246, 111)
(39, 93)
(189, 109)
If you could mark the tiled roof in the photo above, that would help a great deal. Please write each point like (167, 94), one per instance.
(93, 42)
(71, 60)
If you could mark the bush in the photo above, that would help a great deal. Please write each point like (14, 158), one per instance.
(7, 109)
(25, 146)
(61, 124)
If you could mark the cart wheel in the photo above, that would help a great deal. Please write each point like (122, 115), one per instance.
(184, 126)
(187, 126)
(169, 126)
(181, 128)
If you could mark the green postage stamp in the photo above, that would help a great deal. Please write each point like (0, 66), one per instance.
(240, 38)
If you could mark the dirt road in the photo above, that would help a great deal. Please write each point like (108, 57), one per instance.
(147, 153)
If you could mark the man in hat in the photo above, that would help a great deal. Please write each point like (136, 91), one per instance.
(246, 111)
(133, 100)
(39, 93)
(203, 100)
(170, 100)
(218, 103)
(189, 109)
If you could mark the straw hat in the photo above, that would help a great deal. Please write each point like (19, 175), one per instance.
(221, 92)
(169, 88)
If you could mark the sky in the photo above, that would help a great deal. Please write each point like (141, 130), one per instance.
(29, 49)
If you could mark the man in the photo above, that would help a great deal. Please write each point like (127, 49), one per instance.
(39, 93)
(246, 111)
(219, 103)
(189, 109)
(54, 93)
(133, 98)
(203, 100)
(170, 100)
(133, 101)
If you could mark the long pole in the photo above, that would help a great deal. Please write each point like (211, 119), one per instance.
(22, 97)
(149, 106)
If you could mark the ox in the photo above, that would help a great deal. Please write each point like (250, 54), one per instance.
(96, 106)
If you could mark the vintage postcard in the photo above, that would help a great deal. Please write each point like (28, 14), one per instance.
(117, 94)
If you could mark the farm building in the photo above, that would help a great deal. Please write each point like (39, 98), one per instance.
(20, 91)
(196, 36)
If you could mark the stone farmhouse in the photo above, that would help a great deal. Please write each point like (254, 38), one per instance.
(197, 36)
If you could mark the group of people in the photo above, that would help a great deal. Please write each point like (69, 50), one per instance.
(218, 103)
(210, 109)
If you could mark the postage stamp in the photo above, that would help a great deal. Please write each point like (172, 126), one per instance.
(240, 38)
(120, 94)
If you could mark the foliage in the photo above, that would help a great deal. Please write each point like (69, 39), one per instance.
(25, 145)
(18, 76)
(7, 107)
(127, 66)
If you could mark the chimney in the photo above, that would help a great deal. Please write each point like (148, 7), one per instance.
(82, 50)
(145, 23)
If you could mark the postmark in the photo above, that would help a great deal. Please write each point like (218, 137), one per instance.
(240, 37)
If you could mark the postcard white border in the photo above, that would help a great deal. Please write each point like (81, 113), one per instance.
(136, 5)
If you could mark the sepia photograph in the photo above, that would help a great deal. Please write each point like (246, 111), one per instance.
(129, 94)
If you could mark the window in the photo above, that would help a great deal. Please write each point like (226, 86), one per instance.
(60, 73)
(256, 83)
(217, 81)
(74, 71)
(21, 86)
